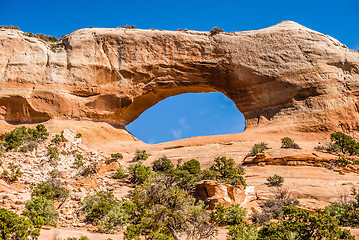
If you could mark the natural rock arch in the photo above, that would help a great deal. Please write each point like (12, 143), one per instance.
(286, 75)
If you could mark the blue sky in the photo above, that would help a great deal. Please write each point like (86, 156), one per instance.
(340, 19)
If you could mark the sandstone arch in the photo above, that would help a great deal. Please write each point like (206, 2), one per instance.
(286, 76)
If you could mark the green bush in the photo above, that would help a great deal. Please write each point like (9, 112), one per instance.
(346, 143)
(226, 171)
(53, 153)
(41, 211)
(57, 139)
(289, 143)
(140, 155)
(25, 136)
(120, 173)
(304, 225)
(258, 148)
(78, 135)
(15, 227)
(192, 166)
(232, 215)
(139, 173)
(162, 165)
(215, 31)
(14, 174)
(114, 220)
(161, 211)
(242, 231)
(52, 189)
(78, 161)
(96, 206)
(275, 181)
(345, 211)
(116, 156)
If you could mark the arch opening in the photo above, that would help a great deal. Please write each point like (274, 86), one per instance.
(188, 115)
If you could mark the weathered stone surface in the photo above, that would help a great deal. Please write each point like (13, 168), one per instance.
(213, 193)
(287, 75)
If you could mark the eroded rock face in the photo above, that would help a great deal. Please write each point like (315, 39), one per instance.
(287, 75)
(213, 193)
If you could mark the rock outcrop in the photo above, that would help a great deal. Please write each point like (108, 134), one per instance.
(287, 75)
(213, 193)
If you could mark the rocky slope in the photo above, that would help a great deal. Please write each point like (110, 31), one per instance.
(286, 76)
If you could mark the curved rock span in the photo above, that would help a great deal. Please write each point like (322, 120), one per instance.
(286, 76)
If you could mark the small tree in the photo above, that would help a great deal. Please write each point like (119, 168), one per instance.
(232, 215)
(52, 189)
(346, 143)
(192, 166)
(15, 227)
(41, 211)
(96, 206)
(139, 173)
(162, 165)
(258, 148)
(140, 155)
(215, 31)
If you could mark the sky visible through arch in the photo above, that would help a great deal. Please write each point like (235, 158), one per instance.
(338, 19)
(187, 115)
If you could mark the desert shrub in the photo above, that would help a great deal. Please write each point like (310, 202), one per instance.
(78, 162)
(346, 143)
(115, 219)
(42, 36)
(116, 156)
(57, 139)
(53, 154)
(289, 143)
(162, 165)
(10, 27)
(345, 210)
(162, 211)
(54, 173)
(226, 171)
(96, 206)
(75, 238)
(130, 27)
(139, 173)
(302, 224)
(120, 173)
(14, 174)
(52, 189)
(89, 170)
(343, 160)
(41, 211)
(215, 31)
(183, 179)
(140, 155)
(15, 227)
(329, 147)
(192, 166)
(258, 148)
(232, 215)
(25, 136)
(275, 181)
(78, 135)
(273, 207)
(28, 147)
(242, 231)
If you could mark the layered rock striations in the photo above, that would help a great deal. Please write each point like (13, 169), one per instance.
(286, 76)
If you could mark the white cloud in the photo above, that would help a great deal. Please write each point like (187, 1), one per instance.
(183, 123)
(177, 133)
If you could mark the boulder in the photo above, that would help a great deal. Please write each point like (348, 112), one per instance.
(213, 193)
